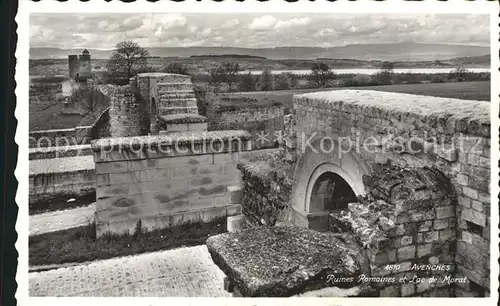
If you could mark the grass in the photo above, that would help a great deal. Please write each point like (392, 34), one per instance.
(80, 244)
(48, 115)
(460, 90)
(61, 203)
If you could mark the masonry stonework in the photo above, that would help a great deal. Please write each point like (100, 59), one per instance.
(167, 180)
(419, 167)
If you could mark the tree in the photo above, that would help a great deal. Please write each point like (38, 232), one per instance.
(386, 73)
(177, 68)
(459, 74)
(321, 73)
(266, 80)
(248, 83)
(285, 81)
(231, 70)
(216, 77)
(127, 59)
(387, 66)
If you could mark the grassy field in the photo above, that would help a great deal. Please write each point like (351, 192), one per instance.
(47, 115)
(460, 90)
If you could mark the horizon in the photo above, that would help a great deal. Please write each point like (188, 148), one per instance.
(284, 46)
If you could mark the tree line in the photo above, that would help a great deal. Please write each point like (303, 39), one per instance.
(128, 59)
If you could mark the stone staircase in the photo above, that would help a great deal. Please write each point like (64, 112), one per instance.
(177, 109)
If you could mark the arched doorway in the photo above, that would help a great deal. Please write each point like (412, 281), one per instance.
(330, 192)
(152, 117)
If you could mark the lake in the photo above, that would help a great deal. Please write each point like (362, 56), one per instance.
(371, 71)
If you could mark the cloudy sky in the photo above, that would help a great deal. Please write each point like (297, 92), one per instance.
(103, 31)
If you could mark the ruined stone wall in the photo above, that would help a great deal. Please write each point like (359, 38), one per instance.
(450, 135)
(406, 223)
(128, 116)
(266, 190)
(166, 180)
(259, 121)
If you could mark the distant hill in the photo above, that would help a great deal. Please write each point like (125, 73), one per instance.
(384, 52)
(227, 56)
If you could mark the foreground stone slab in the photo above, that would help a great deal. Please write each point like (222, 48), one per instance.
(285, 261)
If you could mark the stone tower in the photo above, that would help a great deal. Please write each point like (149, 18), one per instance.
(80, 67)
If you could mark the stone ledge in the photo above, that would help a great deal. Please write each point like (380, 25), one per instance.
(61, 165)
(182, 118)
(59, 151)
(171, 139)
(285, 261)
(454, 115)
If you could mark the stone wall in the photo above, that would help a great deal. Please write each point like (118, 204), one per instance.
(49, 138)
(450, 135)
(128, 116)
(166, 180)
(256, 119)
(61, 177)
(266, 190)
(407, 220)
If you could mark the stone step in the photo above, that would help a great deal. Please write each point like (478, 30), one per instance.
(178, 94)
(169, 87)
(162, 111)
(183, 118)
(177, 102)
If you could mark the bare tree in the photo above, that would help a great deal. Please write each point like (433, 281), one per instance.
(127, 59)
(321, 73)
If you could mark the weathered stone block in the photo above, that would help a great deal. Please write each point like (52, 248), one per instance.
(235, 194)
(390, 291)
(102, 179)
(464, 201)
(210, 169)
(462, 179)
(447, 234)
(440, 224)
(424, 250)
(473, 216)
(111, 167)
(212, 213)
(476, 205)
(200, 203)
(406, 240)
(235, 223)
(424, 226)
(407, 289)
(445, 212)
(430, 236)
(232, 210)
(224, 158)
(471, 193)
(142, 164)
(406, 252)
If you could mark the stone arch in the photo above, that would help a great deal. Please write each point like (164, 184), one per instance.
(313, 162)
(329, 189)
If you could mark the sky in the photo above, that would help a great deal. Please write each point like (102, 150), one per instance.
(104, 31)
